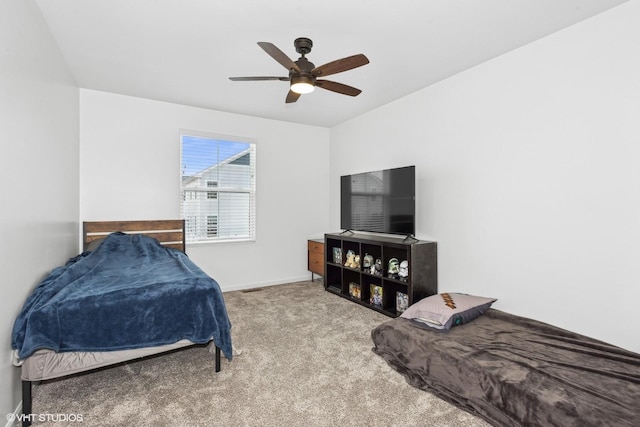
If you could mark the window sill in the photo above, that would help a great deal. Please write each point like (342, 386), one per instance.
(219, 242)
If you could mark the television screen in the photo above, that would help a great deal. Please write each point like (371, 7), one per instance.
(380, 201)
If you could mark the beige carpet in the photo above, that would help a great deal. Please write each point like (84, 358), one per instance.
(306, 361)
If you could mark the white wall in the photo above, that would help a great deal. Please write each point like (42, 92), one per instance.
(130, 166)
(528, 175)
(38, 169)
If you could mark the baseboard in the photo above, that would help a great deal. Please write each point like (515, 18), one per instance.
(265, 284)
(12, 419)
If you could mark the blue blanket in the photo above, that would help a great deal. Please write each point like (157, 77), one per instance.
(130, 292)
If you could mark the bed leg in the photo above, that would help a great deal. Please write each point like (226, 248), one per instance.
(26, 403)
(217, 359)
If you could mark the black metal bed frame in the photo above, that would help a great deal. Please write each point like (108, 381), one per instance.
(27, 402)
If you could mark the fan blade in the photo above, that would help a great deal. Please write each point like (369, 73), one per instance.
(338, 87)
(292, 97)
(340, 65)
(279, 56)
(251, 79)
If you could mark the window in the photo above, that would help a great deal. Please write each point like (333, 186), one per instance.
(217, 182)
(212, 194)
(212, 225)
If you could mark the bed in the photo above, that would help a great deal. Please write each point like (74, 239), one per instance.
(131, 293)
(514, 371)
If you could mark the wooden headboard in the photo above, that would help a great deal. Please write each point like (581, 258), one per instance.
(169, 233)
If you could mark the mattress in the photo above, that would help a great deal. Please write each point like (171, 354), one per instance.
(514, 371)
(47, 364)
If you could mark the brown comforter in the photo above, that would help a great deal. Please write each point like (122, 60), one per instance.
(514, 371)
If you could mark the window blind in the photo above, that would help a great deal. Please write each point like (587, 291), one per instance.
(218, 182)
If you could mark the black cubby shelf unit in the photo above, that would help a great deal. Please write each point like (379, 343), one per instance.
(378, 291)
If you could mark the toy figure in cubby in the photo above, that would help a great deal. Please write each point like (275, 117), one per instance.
(402, 302)
(353, 260)
(392, 270)
(403, 270)
(376, 269)
(376, 295)
(350, 256)
(367, 262)
(354, 290)
(337, 255)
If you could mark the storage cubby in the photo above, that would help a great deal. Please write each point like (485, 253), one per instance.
(373, 287)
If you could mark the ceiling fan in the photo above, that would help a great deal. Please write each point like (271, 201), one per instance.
(304, 76)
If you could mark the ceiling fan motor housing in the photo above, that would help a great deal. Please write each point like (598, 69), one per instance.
(304, 76)
(303, 45)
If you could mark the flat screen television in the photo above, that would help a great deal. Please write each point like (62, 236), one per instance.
(380, 201)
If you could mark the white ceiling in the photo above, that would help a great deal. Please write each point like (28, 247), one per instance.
(184, 51)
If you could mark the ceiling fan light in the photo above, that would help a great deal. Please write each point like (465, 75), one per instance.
(302, 84)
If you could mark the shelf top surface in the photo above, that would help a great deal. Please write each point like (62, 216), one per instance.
(365, 237)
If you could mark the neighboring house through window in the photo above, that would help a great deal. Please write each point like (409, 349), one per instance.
(218, 187)
(212, 194)
(212, 225)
